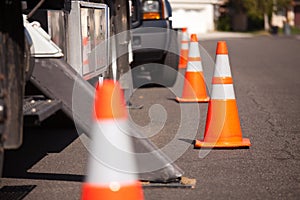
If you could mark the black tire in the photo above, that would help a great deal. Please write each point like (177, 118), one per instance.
(170, 73)
(167, 74)
(1, 158)
(12, 74)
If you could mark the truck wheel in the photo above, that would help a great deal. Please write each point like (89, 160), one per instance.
(167, 74)
(12, 75)
(1, 158)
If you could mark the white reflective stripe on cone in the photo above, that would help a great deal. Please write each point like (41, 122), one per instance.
(185, 36)
(222, 68)
(185, 45)
(194, 66)
(112, 158)
(194, 50)
(222, 91)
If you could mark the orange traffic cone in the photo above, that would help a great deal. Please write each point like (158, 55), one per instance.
(184, 50)
(111, 165)
(194, 89)
(223, 128)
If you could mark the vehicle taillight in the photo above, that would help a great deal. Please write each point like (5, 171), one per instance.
(151, 9)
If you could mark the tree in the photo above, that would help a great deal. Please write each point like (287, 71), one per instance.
(258, 9)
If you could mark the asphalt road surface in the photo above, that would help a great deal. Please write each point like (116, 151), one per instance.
(52, 160)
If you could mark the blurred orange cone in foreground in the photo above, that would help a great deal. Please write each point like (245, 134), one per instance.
(184, 50)
(194, 89)
(111, 159)
(223, 128)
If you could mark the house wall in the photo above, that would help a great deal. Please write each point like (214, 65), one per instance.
(196, 15)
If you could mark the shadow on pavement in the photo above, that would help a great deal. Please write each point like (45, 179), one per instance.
(53, 136)
(15, 192)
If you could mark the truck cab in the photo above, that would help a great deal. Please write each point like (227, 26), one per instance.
(154, 41)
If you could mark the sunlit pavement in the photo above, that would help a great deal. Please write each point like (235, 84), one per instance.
(265, 71)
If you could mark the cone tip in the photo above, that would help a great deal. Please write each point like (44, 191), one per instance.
(194, 38)
(184, 29)
(109, 101)
(222, 48)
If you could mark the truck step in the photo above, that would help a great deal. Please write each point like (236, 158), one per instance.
(38, 108)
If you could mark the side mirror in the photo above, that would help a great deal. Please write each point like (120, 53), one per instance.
(169, 8)
(135, 13)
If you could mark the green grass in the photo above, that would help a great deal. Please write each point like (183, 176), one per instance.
(260, 32)
(294, 31)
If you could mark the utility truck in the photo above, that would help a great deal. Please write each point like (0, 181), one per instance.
(53, 50)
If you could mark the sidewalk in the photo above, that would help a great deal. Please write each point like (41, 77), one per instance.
(223, 35)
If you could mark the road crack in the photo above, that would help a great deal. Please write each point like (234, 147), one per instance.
(285, 152)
